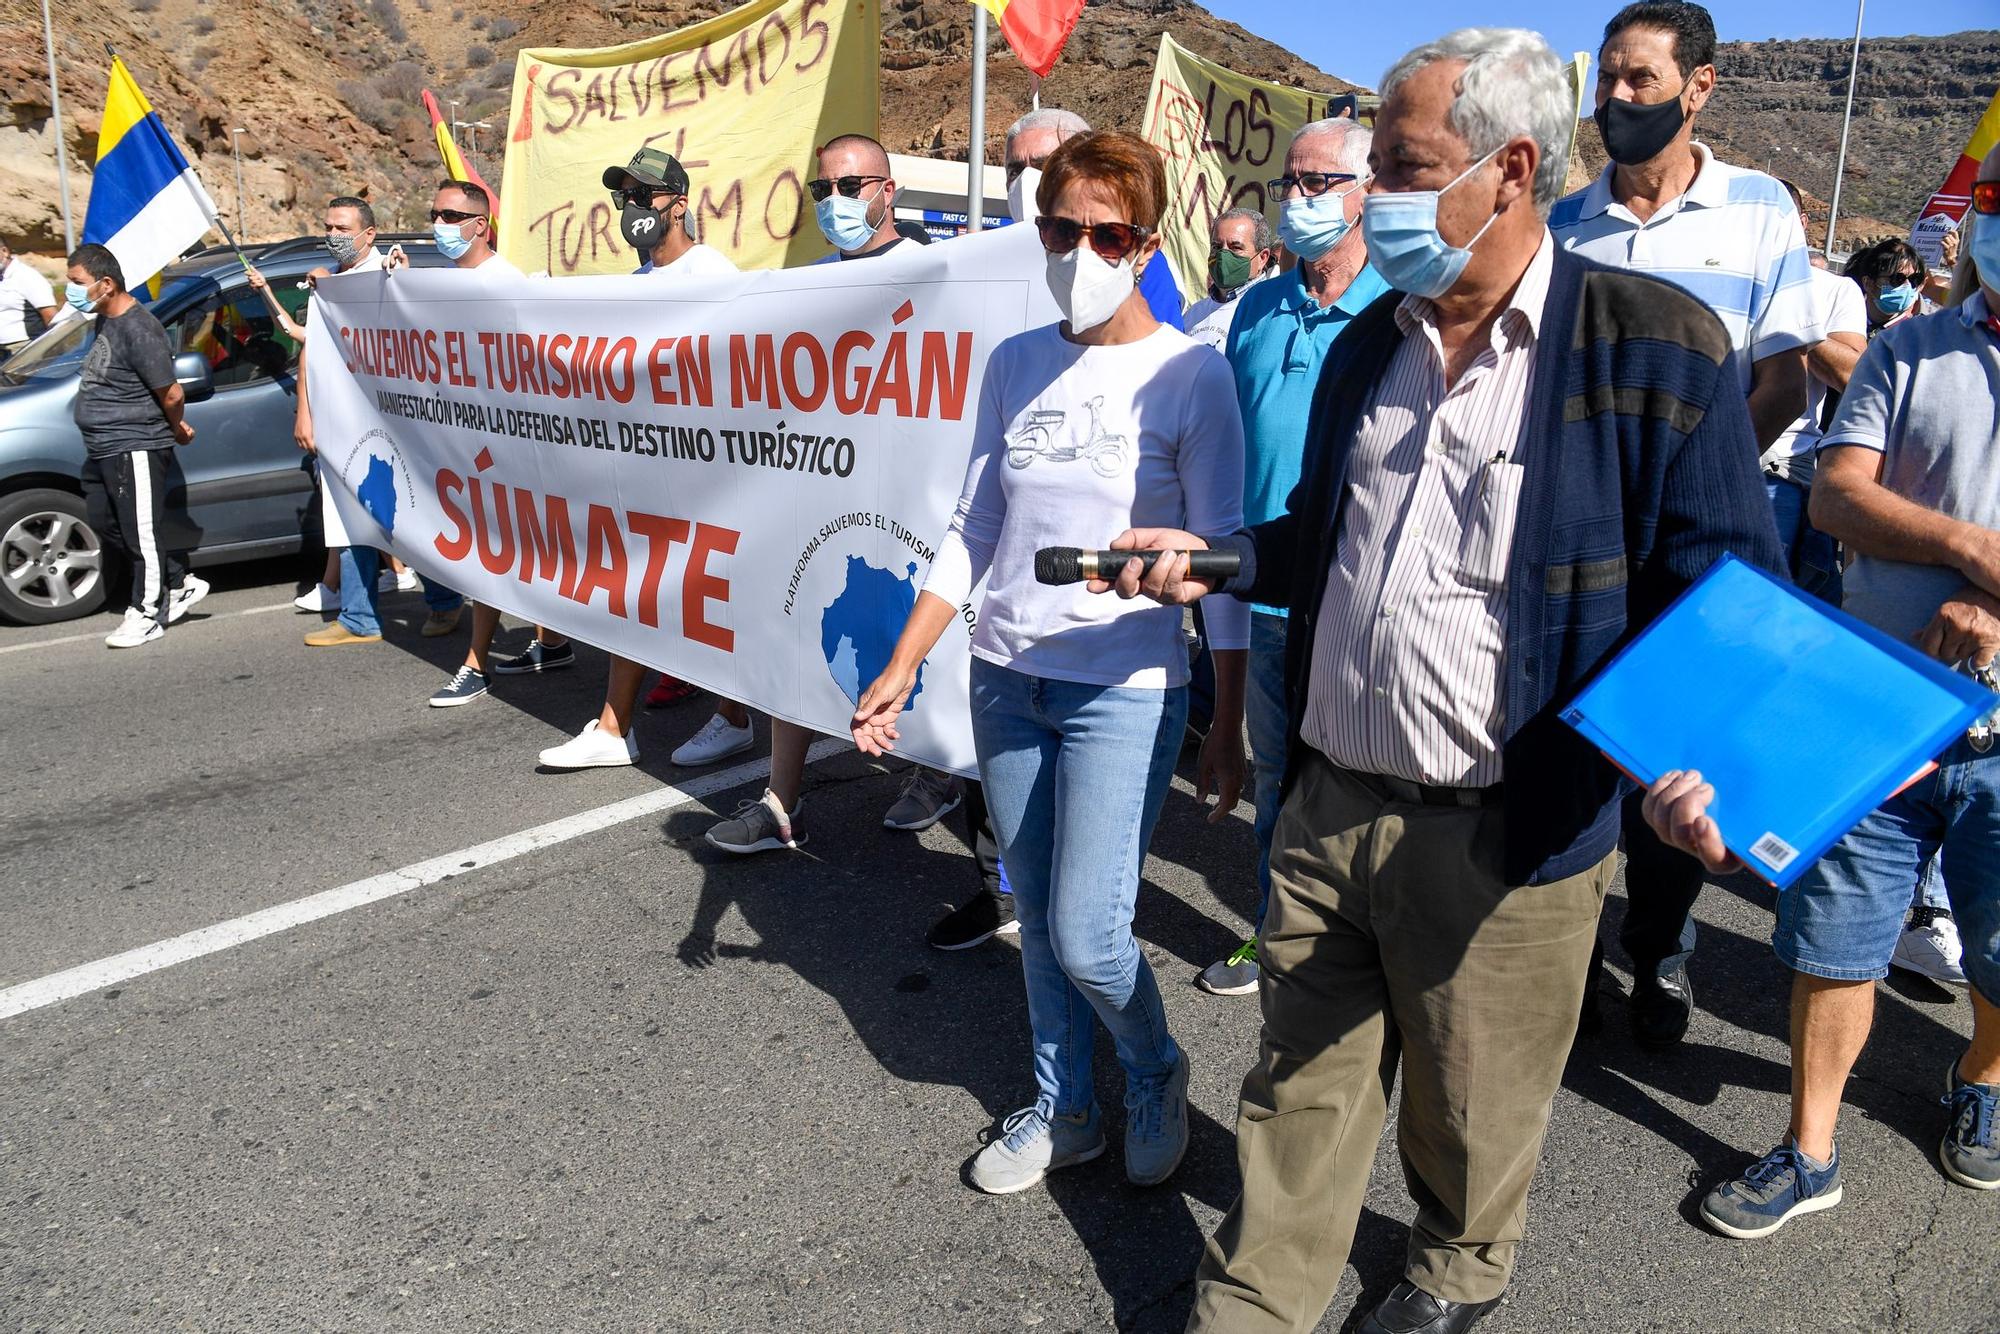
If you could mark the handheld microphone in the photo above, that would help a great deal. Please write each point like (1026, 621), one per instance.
(1071, 565)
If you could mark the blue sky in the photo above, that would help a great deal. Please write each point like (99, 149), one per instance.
(1357, 39)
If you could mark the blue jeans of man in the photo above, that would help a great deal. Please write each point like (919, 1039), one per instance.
(1841, 919)
(1075, 775)
(1811, 557)
(1270, 733)
(359, 567)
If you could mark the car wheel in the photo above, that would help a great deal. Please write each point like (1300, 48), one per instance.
(51, 562)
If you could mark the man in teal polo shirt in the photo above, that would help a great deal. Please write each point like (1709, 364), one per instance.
(1277, 343)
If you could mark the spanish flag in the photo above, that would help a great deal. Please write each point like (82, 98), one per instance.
(1036, 29)
(454, 162)
(146, 203)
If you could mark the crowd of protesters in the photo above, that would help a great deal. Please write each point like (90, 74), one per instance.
(1466, 435)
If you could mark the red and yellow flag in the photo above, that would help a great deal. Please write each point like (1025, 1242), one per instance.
(1944, 209)
(1036, 29)
(455, 165)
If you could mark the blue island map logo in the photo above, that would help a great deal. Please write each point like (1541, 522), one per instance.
(380, 479)
(377, 492)
(858, 629)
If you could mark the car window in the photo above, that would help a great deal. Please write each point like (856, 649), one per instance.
(54, 354)
(233, 330)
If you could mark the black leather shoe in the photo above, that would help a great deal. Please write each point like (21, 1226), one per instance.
(1661, 1008)
(1408, 1309)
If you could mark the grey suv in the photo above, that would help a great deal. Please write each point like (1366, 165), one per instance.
(246, 486)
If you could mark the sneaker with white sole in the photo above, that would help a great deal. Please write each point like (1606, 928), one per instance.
(465, 686)
(758, 826)
(592, 748)
(318, 598)
(1156, 1125)
(1930, 946)
(191, 590)
(1033, 1144)
(537, 657)
(137, 628)
(1970, 1149)
(982, 917)
(928, 797)
(1771, 1192)
(389, 581)
(718, 739)
(1233, 976)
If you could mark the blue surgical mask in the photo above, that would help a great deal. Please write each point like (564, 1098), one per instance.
(1403, 241)
(844, 222)
(78, 295)
(1895, 300)
(1984, 247)
(1311, 225)
(451, 239)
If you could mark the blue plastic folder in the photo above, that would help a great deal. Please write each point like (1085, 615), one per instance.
(1803, 718)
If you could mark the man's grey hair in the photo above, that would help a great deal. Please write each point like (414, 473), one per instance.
(1064, 123)
(1352, 154)
(1266, 238)
(1512, 85)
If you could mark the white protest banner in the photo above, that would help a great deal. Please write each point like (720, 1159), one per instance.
(741, 481)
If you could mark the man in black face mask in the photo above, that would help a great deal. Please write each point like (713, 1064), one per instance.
(1733, 238)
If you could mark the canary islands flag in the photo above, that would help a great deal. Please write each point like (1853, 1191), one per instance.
(146, 203)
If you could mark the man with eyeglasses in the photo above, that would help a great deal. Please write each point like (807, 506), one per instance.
(1030, 140)
(1276, 345)
(1906, 480)
(1731, 237)
(651, 194)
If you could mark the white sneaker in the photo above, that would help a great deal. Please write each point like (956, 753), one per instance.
(407, 581)
(390, 582)
(592, 748)
(1930, 946)
(318, 598)
(192, 590)
(717, 740)
(137, 628)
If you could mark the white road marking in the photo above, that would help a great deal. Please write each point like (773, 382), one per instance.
(73, 982)
(182, 628)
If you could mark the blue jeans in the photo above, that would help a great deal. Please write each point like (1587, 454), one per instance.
(1270, 734)
(1841, 919)
(1075, 776)
(359, 567)
(1811, 557)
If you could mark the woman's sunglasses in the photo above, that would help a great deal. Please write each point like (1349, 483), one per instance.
(1113, 241)
(850, 186)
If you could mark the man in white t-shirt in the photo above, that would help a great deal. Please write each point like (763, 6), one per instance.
(651, 194)
(22, 292)
(1242, 250)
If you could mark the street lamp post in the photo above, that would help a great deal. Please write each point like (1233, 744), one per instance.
(236, 149)
(454, 120)
(55, 119)
(1840, 167)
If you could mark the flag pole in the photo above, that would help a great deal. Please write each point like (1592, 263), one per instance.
(1841, 167)
(55, 115)
(975, 157)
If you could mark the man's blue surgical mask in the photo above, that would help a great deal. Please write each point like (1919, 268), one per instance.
(844, 221)
(1401, 230)
(451, 239)
(78, 295)
(1895, 300)
(1984, 247)
(1311, 225)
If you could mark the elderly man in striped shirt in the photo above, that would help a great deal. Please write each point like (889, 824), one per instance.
(1517, 458)
(1732, 237)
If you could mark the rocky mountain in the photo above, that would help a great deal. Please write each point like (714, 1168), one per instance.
(326, 93)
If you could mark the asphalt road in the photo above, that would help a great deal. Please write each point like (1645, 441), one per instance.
(627, 1082)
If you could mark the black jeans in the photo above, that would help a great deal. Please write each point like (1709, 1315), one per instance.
(1661, 885)
(979, 833)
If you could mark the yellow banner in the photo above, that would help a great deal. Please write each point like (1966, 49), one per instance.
(1223, 135)
(741, 99)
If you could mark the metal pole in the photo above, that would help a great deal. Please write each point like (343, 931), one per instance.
(55, 115)
(975, 156)
(236, 148)
(1840, 167)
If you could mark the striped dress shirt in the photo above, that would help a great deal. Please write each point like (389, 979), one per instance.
(1411, 642)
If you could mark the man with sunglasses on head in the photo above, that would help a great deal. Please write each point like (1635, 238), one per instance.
(1906, 481)
(1517, 459)
(1030, 140)
(1276, 346)
(1732, 238)
(651, 195)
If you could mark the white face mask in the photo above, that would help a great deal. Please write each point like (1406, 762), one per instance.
(1021, 206)
(1088, 288)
